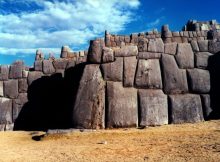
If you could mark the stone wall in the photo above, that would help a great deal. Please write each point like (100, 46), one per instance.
(144, 79)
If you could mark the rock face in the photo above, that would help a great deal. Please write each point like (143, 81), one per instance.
(153, 107)
(170, 48)
(60, 64)
(126, 51)
(148, 74)
(38, 65)
(5, 111)
(89, 112)
(203, 45)
(108, 55)
(22, 85)
(122, 106)
(202, 59)
(130, 64)
(1, 89)
(206, 105)
(149, 55)
(95, 51)
(48, 67)
(16, 70)
(185, 108)
(34, 75)
(214, 47)
(156, 46)
(11, 88)
(4, 72)
(18, 104)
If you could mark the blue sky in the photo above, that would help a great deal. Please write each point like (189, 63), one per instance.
(27, 25)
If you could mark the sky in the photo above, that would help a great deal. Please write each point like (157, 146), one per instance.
(28, 25)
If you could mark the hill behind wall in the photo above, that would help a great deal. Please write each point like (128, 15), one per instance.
(143, 79)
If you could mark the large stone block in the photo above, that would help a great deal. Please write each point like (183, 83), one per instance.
(5, 110)
(18, 104)
(1, 89)
(203, 45)
(60, 64)
(174, 79)
(95, 51)
(71, 64)
(122, 110)
(142, 44)
(199, 80)
(22, 85)
(148, 74)
(48, 67)
(33, 75)
(202, 59)
(185, 108)
(130, 64)
(195, 46)
(170, 48)
(113, 71)
(153, 107)
(126, 51)
(38, 65)
(149, 55)
(16, 70)
(185, 56)
(108, 55)
(156, 45)
(11, 88)
(214, 47)
(89, 106)
(4, 72)
(206, 106)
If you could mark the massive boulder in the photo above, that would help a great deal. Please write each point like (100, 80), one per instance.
(149, 55)
(4, 72)
(170, 48)
(48, 67)
(89, 106)
(203, 45)
(38, 65)
(206, 105)
(122, 106)
(33, 75)
(11, 88)
(153, 107)
(130, 64)
(18, 104)
(5, 110)
(22, 85)
(195, 46)
(16, 70)
(108, 55)
(202, 59)
(126, 51)
(60, 64)
(156, 45)
(186, 108)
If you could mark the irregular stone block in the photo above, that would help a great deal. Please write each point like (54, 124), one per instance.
(156, 45)
(174, 79)
(5, 110)
(113, 71)
(130, 64)
(4, 72)
(199, 80)
(148, 74)
(18, 104)
(16, 70)
(170, 48)
(2, 127)
(153, 107)
(185, 108)
(22, 85)
(149, 55)
(202, 59)
(25, 73)
(185, 56)
(206, 105)
(214, 47)
(34, 75)
(1, 89)
(11, 88)
(195, 46)
(176, 34)
(38, 65)
(108, 55)
(95, 51)
(89, 106)
(122, 110)
(48, 67)
(70, 64)
(60, 64)
(9, 127)
(126, 51)
(142, 44)
(203, 45)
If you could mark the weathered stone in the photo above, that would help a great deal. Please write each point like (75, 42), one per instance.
(22, 85)
(11, 88)
(177, 40)
(185, 56)
(195, 46)
(156, 45)
(142, 44)
(185, 33)
(38, 65)
(16, 70)
(18, 104)
(174, 79)
(60, 64)
(5, 110)
(206, 106)
(127, 39)
(149, 55)
(134, 38)
(113, 71)
(48, 67)
(122, 110)
(185, 108)
(148, 74)
(1, 89)
(170, 48)
(2, 127)
(9, 127)
(4, 72)
(202, 59)
(70, 64)
(39, 55)
(199, 80)
(108, 55)
(126, 51)
(176, 34)
(25, 73)
(95, 51)
(214, 47)
(130, 64)
(203, 45)
(89, 111)
(153, 107)
(34, 75)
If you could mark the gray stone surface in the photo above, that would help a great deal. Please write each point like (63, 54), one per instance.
(60, 64)
(122, 106)
(9, 127)
(18, 104)
(2, 127)
(38, 65)
(108, 55)
(34, 75)
(214, 47)
(203, 45)
(206, 106)
(1, 89)
(195, 46)
(48, 67)
(202, 59)
(5, 110)
(22, 85)
(153, 107)
(130, 64)
(199, 80)
(95, 51)
(4, 72)
(126, 51)
(25, 73)
(148, 74)
(174, 79)
(185, 108)
(89, 106)
(16, 70)
(142, 44)
(185, 56)
(156, 45)
(149, 55)
(70, 64)
(113, 71)
(170, 48)
(11, 89)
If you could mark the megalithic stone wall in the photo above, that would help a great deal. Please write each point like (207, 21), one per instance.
(144, 79)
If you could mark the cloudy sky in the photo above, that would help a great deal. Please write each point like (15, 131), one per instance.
(27, 25)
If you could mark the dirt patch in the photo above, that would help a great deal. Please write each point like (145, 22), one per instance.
(186, 142)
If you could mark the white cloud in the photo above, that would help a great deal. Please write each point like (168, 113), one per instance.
(57, 23)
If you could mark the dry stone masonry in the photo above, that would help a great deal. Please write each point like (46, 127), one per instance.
(144, 79)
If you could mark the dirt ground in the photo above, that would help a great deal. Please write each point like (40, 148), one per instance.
(187, 142)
